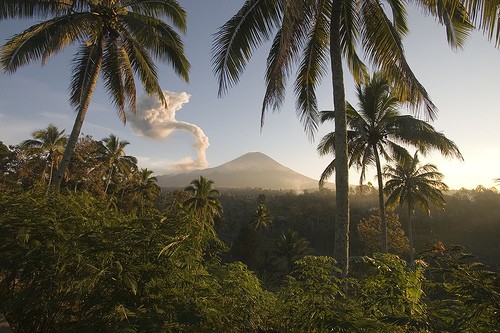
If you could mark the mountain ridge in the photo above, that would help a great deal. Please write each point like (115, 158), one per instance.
(250, 170)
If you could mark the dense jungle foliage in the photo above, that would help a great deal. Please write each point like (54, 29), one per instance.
(70, 262)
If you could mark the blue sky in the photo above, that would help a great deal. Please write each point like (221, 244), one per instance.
(464, 85)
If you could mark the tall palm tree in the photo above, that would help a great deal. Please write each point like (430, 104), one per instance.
(377, 130)
(416, 185)
(317, 35)
(112, 151)
(117, 38)
(204, 199)
(49, 143)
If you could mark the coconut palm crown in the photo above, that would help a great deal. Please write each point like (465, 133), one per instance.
(204, 199)
(112, 153)
(419, 186)
(49, 142)
(116, 39)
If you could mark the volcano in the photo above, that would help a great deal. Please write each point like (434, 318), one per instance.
(251, 170)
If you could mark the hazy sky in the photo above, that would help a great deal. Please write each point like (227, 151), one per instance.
(202, 130)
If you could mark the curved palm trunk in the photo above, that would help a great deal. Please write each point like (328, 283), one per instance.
(341, 246)
(77, 126)
(385, 243)
(410, 234)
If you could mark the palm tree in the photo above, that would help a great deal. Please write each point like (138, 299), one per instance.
(204, 201)
(311, 32)
(379, 130)
(262, 217)
(147, 188)
(117, 38)
(289, 248)
(49, 143)
(416, 185)
(112, 151)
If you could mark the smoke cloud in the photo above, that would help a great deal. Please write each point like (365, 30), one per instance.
(155, 121)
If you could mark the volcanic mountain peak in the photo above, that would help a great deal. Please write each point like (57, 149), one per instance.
(251, 170)
(254, 161)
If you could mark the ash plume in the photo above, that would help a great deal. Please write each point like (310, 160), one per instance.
(153, 120)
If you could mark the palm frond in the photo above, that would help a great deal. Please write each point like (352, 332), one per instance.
(326, 115)
(144, 67)
(363, 161)
(484, 15)
(458, 26)
(41, 40)
(454, 16)
(12, 9)
(327, 144)
(128, 78)
(68, 29)
(355, 119)
(236, 40)
(398, 152)
(86, 66)
(419, 133)
(284, 53)
(311, 70)
(327, 173)
(112, 72)
(399, 16)
(383, 46)
(278, 70)
(349, 34)
(159, 38)
(161, 8)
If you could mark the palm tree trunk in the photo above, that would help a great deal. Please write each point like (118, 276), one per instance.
(341, 246)
(44, 172)
(385, 243)
(51, 171)
(410, 234)
(50, 175)
(77, 126)
(108, 181)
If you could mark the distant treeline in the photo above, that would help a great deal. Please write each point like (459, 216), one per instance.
(471, 219)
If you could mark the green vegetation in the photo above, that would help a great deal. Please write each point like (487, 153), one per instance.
(99, 167)
(72, 263)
